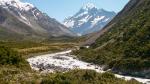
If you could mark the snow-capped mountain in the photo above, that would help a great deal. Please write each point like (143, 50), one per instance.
(17, 4)
(16, 7)
(26, 20)
(89, 19)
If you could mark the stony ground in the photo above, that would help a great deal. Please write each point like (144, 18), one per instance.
(63, 61)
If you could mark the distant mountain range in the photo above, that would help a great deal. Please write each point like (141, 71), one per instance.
(89, 19)
(25, 21)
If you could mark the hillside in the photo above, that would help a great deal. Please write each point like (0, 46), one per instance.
(23, 21)
(123, 45)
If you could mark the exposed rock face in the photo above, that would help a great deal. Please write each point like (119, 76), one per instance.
(89, 19)
(27, 21)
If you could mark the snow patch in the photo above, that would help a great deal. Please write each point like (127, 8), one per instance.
(97, 20)
(88, 6)
(107, 19)
(16, 3)
(69, 23)
(33, 12)
(84, 20)
(80, 15)
(24, 19)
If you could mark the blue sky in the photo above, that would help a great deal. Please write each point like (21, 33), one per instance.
(59, 9)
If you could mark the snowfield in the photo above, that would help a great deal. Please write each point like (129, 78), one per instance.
(63, 61)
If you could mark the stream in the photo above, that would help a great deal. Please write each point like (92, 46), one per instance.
(63, 62)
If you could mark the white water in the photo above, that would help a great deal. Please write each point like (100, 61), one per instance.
(63, 62)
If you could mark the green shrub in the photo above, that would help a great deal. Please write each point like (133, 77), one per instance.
(11, 57)
(84, 77)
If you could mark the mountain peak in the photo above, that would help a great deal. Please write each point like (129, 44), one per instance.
(89, 19)
(89, 6)
(17, 4)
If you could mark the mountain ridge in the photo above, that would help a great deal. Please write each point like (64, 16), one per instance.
(89, 19)
(35, 24)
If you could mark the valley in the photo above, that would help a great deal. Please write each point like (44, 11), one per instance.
(93, 46)
(17, 69)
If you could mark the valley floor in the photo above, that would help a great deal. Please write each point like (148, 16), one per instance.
(63, 62)
(28, 49)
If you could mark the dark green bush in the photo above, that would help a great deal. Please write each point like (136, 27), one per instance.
(10, 57)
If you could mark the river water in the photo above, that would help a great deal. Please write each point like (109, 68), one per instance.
(63, 62)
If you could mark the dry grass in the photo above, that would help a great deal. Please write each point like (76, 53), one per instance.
(45, 48)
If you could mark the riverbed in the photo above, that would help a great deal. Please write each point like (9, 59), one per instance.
(63, 62)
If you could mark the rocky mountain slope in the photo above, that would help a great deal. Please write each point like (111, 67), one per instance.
(123, 45)
(24, 21)
(89, 19)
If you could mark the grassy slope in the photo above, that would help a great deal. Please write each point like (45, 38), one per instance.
(125, 46)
